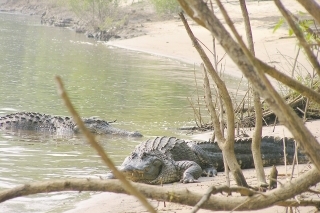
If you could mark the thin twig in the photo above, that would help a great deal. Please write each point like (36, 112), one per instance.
(238, 109)
(308, 100)
(284, 154)
(195, 112)
(296, 154)
(204, 198)
(295, 62)
(198, 97)
(293, 164)
(205, 46)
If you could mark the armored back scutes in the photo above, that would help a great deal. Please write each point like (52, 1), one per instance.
(174, 148)
(57, 124)
(36, 122)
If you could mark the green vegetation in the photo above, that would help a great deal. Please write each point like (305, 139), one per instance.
(166, 6)
(99, 14)
(304, 25)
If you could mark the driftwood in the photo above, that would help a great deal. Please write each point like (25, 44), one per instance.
(251, 200)
(298, 104)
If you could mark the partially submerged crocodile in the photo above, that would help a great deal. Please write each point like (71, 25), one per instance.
(168, 159)
(57, 124)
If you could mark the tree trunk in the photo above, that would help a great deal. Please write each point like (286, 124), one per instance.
(228, 153)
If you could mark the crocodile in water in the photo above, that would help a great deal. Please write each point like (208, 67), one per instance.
(57, 124)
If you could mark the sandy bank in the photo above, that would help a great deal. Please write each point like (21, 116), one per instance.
(117, 203)
(169, 38)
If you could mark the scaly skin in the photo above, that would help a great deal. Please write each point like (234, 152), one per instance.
(168, 159)
(57, 124)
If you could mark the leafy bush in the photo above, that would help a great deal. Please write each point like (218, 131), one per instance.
(166, 6)
(97, 13)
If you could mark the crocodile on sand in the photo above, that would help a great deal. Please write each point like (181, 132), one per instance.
(168, 159)
(57, 124)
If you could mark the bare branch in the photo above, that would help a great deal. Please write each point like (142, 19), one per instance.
(208, 99)
(247, 24)
(256, 137)
(204, 199)
(226, 145)
(211, 70)
(292, 83)
(91, 139)
(181, 196)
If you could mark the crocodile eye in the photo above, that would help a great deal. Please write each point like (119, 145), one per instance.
(142, 155)
(156, 163)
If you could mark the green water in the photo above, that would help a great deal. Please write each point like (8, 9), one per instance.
(142, 92)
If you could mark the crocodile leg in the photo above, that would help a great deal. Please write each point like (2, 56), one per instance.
(206, 163)
(189, 170)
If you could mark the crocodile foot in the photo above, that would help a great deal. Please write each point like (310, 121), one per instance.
(209, 172)
(188, 178)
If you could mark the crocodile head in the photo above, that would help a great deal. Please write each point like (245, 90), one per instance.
(103, 127)
(152, 168)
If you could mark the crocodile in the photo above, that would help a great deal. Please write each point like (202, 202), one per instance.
(58, 125)
(169, 159)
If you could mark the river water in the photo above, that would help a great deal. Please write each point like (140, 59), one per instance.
(142, 92)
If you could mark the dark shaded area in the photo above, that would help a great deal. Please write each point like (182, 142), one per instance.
(271, 151)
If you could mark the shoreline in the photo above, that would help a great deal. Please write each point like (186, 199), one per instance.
(168, 39)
